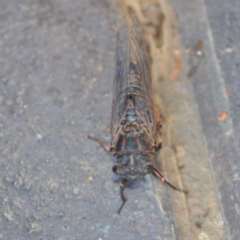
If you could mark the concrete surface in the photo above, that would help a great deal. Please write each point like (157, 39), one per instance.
(57, 66)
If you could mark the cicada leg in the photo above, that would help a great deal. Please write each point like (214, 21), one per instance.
(159, 176)
(101, 142)
(123, 184)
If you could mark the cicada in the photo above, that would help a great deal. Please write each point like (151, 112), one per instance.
(135, 128)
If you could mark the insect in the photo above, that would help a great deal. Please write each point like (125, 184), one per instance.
(135, 129)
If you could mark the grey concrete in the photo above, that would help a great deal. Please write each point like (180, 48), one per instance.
(57, 66)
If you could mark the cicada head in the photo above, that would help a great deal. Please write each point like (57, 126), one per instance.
(132, 166)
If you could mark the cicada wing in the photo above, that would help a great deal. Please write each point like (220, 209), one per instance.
(132, 78)
(121, 72)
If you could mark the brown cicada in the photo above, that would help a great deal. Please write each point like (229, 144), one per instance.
(135, 129)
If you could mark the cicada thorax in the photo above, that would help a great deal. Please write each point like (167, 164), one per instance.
(132, 137)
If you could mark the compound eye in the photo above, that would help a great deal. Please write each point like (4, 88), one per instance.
(115, 169)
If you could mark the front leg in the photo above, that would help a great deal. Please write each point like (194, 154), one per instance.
(159, 176)
(123, 184)
(101, 142)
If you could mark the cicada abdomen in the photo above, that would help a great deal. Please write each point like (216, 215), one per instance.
(135, 130)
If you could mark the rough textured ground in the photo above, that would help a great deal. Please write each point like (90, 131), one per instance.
(57, 65)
